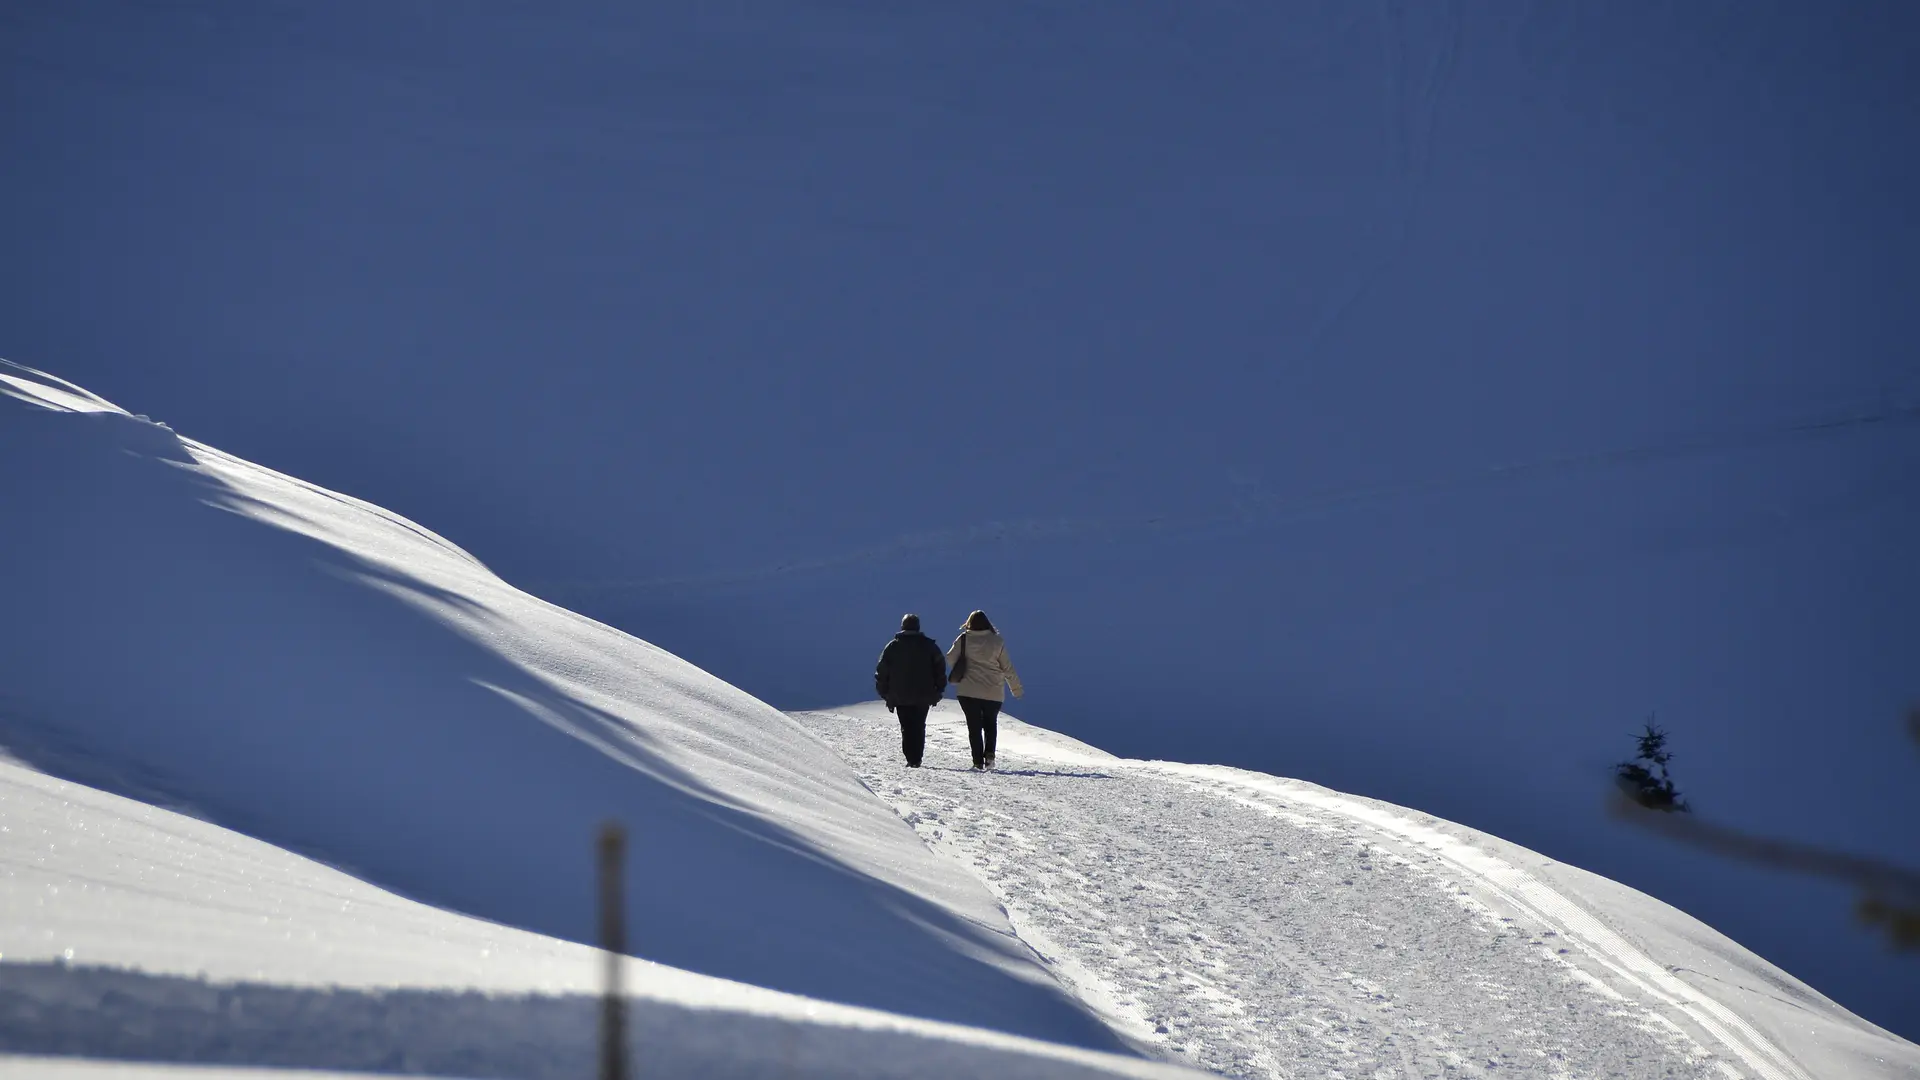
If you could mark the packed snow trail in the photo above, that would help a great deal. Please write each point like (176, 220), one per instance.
(1262, 927)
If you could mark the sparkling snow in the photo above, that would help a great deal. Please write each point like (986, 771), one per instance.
(1264, 927)
(295, 782)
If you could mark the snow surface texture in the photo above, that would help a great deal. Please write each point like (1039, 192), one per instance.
(198, 632)
(1259, 926)
(136, 933)
(200, 648)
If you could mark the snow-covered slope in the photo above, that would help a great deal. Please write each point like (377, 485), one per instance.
(198, 632)
(293, 781)
(135, 933)
(1268, 927)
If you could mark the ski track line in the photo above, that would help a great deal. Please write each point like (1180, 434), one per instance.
(1523, 891)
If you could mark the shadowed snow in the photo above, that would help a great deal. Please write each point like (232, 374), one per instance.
(200, 632)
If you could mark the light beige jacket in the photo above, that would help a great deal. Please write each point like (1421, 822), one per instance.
(987, 666)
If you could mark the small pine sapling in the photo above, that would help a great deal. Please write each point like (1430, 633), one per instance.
(1889, 893)
(1645, 779)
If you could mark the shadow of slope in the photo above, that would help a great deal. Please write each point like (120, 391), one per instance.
(128, 1015)
(160, 646)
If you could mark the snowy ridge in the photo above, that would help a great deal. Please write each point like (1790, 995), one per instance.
(50, 391)
(1312, 928)
(198, 632)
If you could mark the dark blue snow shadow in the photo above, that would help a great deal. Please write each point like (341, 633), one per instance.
(128, 1015)
(159, 646)
(1060, 773)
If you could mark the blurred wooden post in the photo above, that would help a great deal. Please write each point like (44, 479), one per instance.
(613, 942)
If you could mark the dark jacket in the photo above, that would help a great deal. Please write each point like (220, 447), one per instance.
(912, 671)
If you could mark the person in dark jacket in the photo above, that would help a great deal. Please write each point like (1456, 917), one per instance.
(911, 678)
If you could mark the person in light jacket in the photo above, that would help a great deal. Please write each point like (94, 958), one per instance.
(980, 683)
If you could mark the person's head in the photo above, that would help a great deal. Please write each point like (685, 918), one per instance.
(909, 622)
(977, 621)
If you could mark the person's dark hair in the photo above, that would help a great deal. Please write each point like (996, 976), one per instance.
(909, 622)
(977, 621)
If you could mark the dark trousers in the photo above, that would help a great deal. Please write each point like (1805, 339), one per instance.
(913, 731)
(983, 725)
